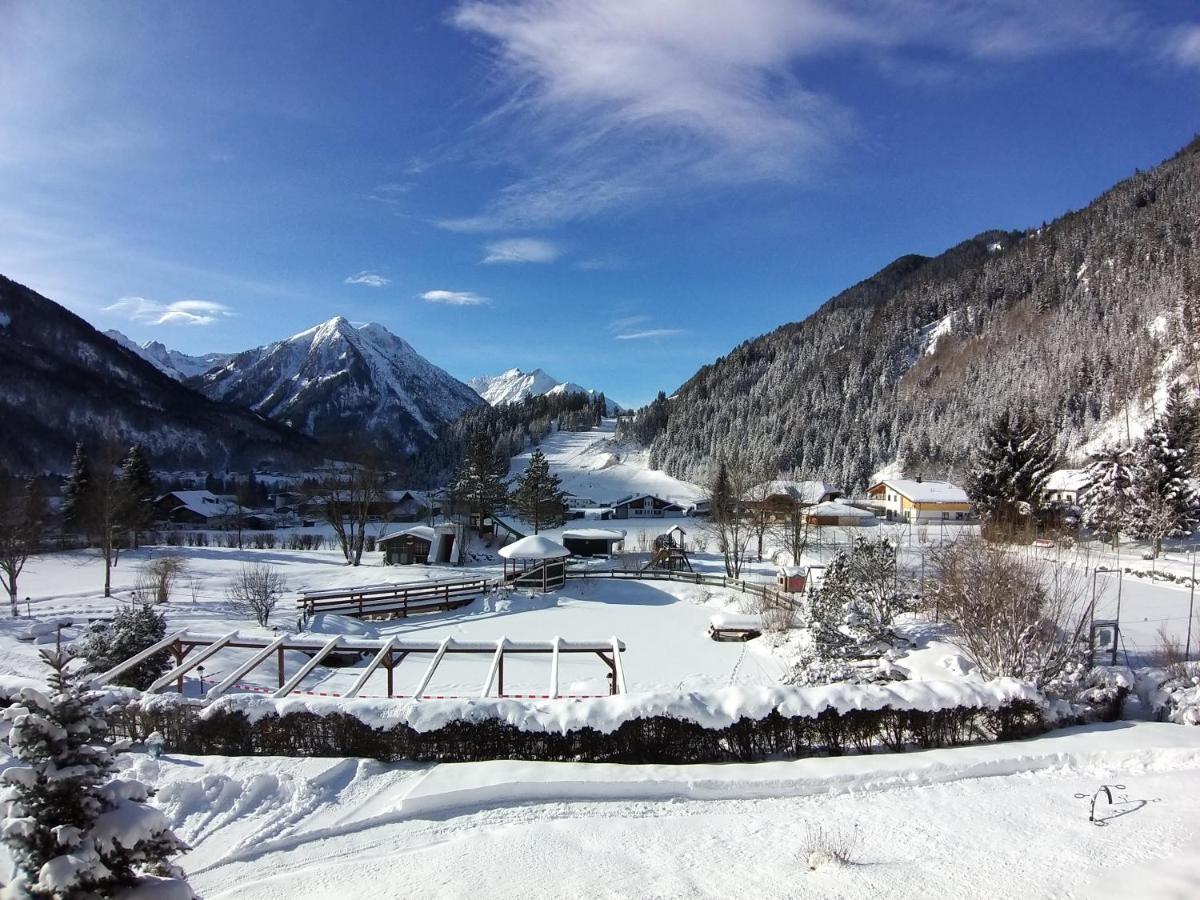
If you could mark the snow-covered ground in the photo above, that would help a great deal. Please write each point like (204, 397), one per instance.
(999, 820)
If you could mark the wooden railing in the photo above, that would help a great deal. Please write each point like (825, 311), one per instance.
(401, 600)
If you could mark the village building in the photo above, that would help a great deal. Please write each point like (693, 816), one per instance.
(1065, 486)
(908, 500)
(646, 506)
(201, 508)
(835, 512)
(418, 545)
(783, 497)
(592, 541)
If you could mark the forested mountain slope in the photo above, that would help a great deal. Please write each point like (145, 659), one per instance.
(62, 381)
(1075, 319)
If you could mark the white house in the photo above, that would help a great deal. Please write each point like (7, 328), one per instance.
(1065, 486)
(908, 500)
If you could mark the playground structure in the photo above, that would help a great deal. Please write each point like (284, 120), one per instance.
(191, 650)
(669, 552)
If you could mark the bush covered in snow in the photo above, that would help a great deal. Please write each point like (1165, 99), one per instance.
(133, 629)
(74, 830)
(1172, 694)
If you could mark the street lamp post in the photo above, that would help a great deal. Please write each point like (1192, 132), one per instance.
(1187, 649)
(200, 672)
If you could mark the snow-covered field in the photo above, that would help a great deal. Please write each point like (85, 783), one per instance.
(991, 821)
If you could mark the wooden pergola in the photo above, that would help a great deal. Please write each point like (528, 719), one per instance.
(190, 650)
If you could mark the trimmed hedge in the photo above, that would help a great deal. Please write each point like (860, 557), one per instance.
(658, 739)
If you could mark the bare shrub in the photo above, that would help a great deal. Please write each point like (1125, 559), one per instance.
(830, 846)
(156, 578)
(1014, 614)
(778, 612)
(256, 590)
(1169, 652)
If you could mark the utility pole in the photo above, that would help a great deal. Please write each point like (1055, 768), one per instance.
(1187, 648)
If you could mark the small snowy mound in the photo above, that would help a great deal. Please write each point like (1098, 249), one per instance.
(331, 624)
(605, 461)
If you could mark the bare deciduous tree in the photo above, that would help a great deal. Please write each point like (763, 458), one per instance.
(22, 514)
(256, 589)
(346, 498)
(728, 486)
(1013, 614)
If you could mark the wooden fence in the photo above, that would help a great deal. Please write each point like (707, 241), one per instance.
(401, 600)
(766, 592)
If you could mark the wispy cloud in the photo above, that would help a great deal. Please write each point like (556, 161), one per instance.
(181, 312)
(606, 106)
(455, 298)
(1182, 46)
(520, 250)
(649, 334)
(370, 279)
(627, 322)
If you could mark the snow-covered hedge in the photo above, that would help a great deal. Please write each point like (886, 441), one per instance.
(727, 724)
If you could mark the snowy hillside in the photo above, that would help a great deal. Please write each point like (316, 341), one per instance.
(514, 385)
(179, 366)
(592, 464)
(338, 378)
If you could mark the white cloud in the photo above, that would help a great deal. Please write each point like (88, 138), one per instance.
(455, 298)
(650, 333)
(1183, 46)
(627, 322)
(610, 105)
(370, 279)
(181, 312)
(521, 250)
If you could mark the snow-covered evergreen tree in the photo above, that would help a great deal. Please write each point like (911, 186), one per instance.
(1107, 500)
(1163, 499)
(77, 491)
(137, 491)
(538, 496)
(1011, 469)
(133, 629)
(1181, 417)
(73, 829)
(852, 613)
(478, 485)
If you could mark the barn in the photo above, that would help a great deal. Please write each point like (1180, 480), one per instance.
(418, 545)
(591, 541)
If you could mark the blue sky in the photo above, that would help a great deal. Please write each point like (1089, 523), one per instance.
(617, 192)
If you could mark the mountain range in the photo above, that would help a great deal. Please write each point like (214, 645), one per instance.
(1081, 321)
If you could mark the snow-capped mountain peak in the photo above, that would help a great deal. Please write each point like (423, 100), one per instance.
(338, 378)
(515, 385)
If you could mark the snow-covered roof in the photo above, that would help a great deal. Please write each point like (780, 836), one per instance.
(1067, 480)
(793, 570)
(635, 497)
(807, 492)
(202, 503)
(536, 546)
(927, 491)
(836, 508)
(594, 534)
(424, 532)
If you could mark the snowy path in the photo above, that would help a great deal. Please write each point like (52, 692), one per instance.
(932, 824)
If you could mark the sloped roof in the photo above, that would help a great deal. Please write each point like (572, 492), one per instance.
(424, 532)
(594, 534)
(834, 508)
(807, 492)
(927, 491)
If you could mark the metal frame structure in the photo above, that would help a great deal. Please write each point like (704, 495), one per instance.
(190, 650)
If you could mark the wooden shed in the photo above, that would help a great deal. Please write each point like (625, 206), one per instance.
(792, 579)
(418, 545)
(591, 541)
